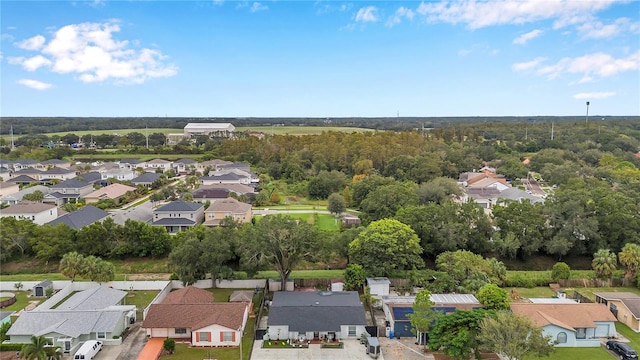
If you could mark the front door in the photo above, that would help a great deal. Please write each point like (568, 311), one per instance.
(316, 335)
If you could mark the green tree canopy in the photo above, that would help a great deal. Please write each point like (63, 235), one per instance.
(386, 245)
(456, 333)
(604, 263)
(493, 297)
(514, 336)
(424, 315)
(280, 241)
(630, 258)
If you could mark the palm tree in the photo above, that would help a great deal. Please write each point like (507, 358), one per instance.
(71, 265)
(630, 259)
(36, 350)
(604, 263)
(90, 267)
(54, 352)
(106, 271)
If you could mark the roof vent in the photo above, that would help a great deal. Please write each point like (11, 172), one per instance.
(317, 302)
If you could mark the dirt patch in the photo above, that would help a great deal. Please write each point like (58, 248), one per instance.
(8, 355)
(155, 276)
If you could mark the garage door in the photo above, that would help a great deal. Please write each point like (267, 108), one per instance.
(160, 333)
(602, 330)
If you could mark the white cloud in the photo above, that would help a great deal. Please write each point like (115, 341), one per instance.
(590, 67)
(399, 15)
(256, 6)
(594, 95)
(33, 63)
(33, 43)
(90, 51)
(598, 30)
(478, 14)
(367, 14)
(523, 66)
(34, 84)
(524, 38)
(218, 2)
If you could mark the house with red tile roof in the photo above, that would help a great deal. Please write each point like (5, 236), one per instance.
(190, 314)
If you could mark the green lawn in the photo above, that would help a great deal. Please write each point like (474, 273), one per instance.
(22, 300)
(140, 299)
(634, 337)
(302, 274)
(599, 353)
(536, 292)
(322, 221)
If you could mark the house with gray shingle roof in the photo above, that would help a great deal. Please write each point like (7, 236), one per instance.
(178, 216)
(316, 315)
(184, 165)
(73, 189)
(23, 179)
(624, 305)
(225, 178)
(56, 162)
(5, 172)
(81, 217)
(92, 314)
(145, 179)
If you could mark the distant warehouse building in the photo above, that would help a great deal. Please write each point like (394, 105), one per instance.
(209, 129)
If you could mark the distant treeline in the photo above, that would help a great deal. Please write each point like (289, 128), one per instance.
(39, 125)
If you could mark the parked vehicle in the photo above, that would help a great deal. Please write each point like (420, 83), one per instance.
(623, 350)
(88, 350)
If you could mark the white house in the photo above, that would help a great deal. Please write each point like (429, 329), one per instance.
(37, 212)
(209, 129)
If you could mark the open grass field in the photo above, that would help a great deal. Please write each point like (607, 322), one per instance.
(270, 130)
(599, 353)
(322, 221)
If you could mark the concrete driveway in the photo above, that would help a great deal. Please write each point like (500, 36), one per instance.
(352, 350)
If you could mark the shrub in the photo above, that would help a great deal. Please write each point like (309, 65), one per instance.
(11, 347)
(169, 345)
(560, 270)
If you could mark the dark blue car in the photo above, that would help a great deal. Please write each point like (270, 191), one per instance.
(624, 351)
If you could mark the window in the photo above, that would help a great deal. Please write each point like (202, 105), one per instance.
(352, 331)
(227, 336)
(192, 216)
(203, 336)
(102, 335)
(581, 333)
(562, 338)
(181, 331)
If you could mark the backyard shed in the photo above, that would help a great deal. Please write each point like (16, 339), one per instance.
(41, 288)
(378, 286)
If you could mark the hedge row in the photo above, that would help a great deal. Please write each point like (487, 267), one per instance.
(11, 347)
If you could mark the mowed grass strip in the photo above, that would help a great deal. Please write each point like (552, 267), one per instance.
(576, 353)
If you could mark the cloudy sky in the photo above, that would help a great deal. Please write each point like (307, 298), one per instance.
(319, 59)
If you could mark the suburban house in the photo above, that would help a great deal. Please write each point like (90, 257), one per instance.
(30, 172)
(72, 190)
(118, 174)
(178, 216)
(56, 163)
(190, 313)
(211, 165)
(158, 164)
(131, 164)
(625, 306)
(378, 286)
(315, 315)
(8, 188)
(206, 193)
(57, 173)
(17, 197)
(5, 172)
(225, 178)
(184, 165)
(209, 129)
(397, 308)
(571, 325)
(113, 192)
(92, 314)
(82, 217)
(146, 179)
(37, 212)
(227, 208)
(238, 189)
(23, 179)
(22, 164)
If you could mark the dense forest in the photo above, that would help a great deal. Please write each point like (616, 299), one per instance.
(591, 169)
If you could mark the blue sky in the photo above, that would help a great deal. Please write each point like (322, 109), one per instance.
(319, 58)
